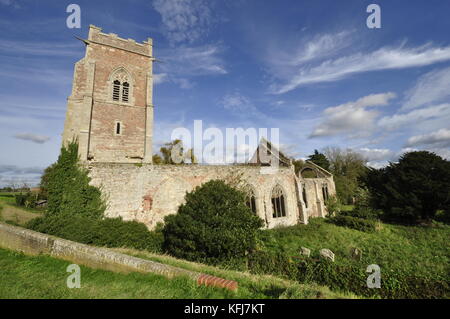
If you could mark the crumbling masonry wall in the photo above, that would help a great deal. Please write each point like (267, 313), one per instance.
(148, 193)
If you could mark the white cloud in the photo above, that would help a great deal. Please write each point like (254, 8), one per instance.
(159, 78)
(67, 49)
(316, 48)
(15, 175)
(10, 3)
(376, 154)
(342, 67)
(415, 117)
(440, 138)
(184, 20)
(377, 164)
(351, 117)
(181, 64)
(236, 102)
(39, 139)
(430, 88)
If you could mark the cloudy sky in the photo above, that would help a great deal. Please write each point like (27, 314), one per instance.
(311, 68)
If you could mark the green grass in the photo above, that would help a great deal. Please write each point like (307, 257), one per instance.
(24, 276)
(260, 286)
(418, 250)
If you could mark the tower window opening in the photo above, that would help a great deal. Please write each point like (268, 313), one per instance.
(116, 90)
(125, 91)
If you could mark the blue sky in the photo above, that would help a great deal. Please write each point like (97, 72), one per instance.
(311, 68)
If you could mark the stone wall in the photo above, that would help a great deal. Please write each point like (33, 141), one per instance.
(148, 193)
(34, 243)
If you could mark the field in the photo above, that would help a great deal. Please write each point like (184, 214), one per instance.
(13, 214)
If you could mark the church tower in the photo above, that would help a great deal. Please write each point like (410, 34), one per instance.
(110, 109)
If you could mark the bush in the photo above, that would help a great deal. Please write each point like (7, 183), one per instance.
(333, 205)
(28, 199)
(214, 225)
(108, 232)
(366, 225)
(364, 213)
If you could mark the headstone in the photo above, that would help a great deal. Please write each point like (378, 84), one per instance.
(305, 251)
(327, 254)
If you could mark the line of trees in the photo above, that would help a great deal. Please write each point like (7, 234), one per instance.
(414, 189)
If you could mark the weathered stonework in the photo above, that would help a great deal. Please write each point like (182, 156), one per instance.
(110, 112)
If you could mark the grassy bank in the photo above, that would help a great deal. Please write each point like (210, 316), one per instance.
(414, 260)
(249, 284)
(45, 277)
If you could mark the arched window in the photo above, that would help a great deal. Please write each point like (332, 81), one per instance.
(251, 200)
(278, 202)
(121, 86)
(308, 173)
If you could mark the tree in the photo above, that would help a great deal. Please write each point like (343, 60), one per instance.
(44, 181)
(319, 159)
(172, 152)
(214, 225)
(298, 165)
(67, 185)
(157, 160)
(413, 189)
(347, 166)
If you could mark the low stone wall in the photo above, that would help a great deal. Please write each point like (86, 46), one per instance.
(34, 243)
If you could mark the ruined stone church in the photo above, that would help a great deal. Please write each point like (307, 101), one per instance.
(110, 112)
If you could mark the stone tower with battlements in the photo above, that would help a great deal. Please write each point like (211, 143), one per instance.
(110, 109)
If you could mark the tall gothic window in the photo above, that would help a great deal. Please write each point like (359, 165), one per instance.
(325, 192)
(251, 201)
(305, 200)
(278, 202)
(121, 87)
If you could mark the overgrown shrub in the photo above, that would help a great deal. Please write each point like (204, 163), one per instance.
(28, 199)
(366, 225)
(333, 205)
(67, 185)
(363, 212)
(214, 225)
(108, 232)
